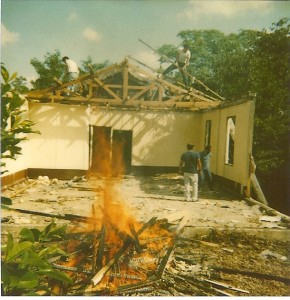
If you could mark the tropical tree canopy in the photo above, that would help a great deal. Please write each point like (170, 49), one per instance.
(255, 62)
(54, 68)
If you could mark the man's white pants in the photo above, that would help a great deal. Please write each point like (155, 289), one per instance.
(73, 76)
(190, 186)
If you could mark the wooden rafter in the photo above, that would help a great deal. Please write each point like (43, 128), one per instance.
(125, 82)
(144, 90)
(125, 85)
(103, 85)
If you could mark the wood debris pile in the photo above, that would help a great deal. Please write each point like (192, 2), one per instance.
(158, 261)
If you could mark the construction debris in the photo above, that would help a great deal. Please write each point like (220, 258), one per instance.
(169, 255)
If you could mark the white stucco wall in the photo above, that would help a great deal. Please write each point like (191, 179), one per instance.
(159, 138)
(63, 143)
(244, 113)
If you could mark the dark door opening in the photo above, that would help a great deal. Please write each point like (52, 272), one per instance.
(100, 150)
(110, 156)
(121, 152)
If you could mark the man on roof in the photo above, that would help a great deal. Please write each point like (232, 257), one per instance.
(182, 61)
(72, 71)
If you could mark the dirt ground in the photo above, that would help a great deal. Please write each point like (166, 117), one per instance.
(223, 260)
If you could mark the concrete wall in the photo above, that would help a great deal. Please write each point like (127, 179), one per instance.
(63, 143)
(159, 137)
(244, 114)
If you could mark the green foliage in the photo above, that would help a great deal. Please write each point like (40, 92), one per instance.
(270, 80)
(19, 84)
(167, 53)
(250, 61)
(26, 269)
(53, 67)
(218, 60)
(6, 201)
(88, 65)
(13, 126)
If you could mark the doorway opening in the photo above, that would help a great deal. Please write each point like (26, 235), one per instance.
(121, 151)
(110, 151)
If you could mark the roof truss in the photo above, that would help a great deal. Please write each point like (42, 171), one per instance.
(127, 86)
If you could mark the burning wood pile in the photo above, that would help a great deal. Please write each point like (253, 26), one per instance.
(109, 252)
(117, 254)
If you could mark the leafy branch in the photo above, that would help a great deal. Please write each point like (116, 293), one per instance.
(14, 126)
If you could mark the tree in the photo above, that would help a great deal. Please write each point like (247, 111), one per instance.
(53, 67)
(256, 61)
(218, 60)
(270, 80)
(14, 127)
(88, 65)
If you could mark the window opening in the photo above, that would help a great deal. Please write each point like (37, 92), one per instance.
(207, 133)
(230, 140)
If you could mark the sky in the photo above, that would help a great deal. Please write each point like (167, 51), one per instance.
(111, 29)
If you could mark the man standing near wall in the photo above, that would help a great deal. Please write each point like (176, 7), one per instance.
(190, 166)
(205, 174)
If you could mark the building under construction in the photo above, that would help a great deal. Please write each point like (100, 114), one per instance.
(154, 118)
(89, 169)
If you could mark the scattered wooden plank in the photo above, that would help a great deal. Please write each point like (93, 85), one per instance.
(69, 217)
(258, 189)
(223, 293)
(252, 274)
(98, 277)
(199, 283)
(209, 244)
(169, 252)
(164, 260)
(226, 286)
(135, 236)
(23, 189)
(71, 269)
(176, 216)
(268, 209)
(101, 248)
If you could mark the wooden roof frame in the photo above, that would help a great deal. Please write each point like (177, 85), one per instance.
(151, 92)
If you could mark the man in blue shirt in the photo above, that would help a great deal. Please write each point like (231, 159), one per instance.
(190, 166)
(205, 157)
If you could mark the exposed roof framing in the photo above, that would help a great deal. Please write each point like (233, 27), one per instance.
(125, 85)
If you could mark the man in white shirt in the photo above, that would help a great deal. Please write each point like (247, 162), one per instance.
(182, 61)
(72, 71)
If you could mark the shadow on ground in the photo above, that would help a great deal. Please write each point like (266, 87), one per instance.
(172, 185)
